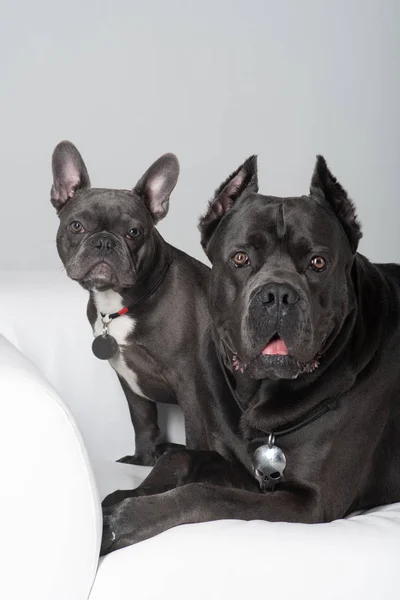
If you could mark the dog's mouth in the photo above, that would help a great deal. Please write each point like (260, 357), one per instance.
(275, 347)
(275, 354)
(100, 276)
(101, 271)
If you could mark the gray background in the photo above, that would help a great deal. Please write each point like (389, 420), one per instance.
(211, 81)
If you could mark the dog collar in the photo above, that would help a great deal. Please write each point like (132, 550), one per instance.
(269, 460)
(105, 346)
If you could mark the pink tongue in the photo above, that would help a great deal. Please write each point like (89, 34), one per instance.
(277, 346)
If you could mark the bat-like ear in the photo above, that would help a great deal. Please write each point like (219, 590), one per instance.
(326, 187)
(244, 179)
(69, 174)
(156, 185)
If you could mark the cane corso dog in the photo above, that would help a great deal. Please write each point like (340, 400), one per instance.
(308, 333)
(147, 302)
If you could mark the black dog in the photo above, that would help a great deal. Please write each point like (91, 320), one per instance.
(309, 332)
(161, 347)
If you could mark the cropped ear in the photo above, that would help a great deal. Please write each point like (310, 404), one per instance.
(242, 180)
(325, 186)
(69, 174)
(156, 185)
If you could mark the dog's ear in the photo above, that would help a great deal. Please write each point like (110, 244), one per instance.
(156, 185)
(325, 186)
(242, 180)
(69, 174)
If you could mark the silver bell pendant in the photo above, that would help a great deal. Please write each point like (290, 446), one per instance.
(269, 462)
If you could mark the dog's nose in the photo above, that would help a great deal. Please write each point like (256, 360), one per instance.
(104, 243)
(278, 297)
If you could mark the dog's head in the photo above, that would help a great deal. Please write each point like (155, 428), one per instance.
(107, 237)
(281, 285)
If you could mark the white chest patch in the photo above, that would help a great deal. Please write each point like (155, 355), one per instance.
(120, 328)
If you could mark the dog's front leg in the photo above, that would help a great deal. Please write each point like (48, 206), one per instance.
(144, 420)
(139, 518)
(178, 467)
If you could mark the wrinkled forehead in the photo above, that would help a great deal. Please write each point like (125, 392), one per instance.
(107, 204)
(297, 220)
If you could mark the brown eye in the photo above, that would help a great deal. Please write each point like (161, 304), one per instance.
(77, 227)
(241, 259)
(318, 263)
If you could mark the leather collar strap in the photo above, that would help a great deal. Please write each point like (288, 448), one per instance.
(312, 415)
(140, 300)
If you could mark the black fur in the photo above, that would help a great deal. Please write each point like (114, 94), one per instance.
(226, 196)
(343, 321)
(169, 348)
(326, 187)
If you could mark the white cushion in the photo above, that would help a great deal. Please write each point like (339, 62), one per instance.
(49, 505)
(351, 559)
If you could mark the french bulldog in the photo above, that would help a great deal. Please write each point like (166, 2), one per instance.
(161, 346)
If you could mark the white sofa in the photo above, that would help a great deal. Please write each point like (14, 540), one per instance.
(63, 423)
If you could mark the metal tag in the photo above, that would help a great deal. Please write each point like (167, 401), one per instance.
(269, 462)
(104, 346)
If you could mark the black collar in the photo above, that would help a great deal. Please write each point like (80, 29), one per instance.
(312, 415)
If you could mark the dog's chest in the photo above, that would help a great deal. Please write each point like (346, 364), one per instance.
(120, 328)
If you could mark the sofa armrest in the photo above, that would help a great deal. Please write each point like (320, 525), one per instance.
(51, 515)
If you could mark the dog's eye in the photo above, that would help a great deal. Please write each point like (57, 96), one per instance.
(318, 263)
(241, 259)
(77, 227)
(133, 233)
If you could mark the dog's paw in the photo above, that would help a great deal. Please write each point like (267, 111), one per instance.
(147, 459)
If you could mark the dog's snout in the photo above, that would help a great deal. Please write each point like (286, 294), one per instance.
(105, 243)
(277, 297)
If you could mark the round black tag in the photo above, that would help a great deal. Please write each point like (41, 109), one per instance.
(104, 347)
